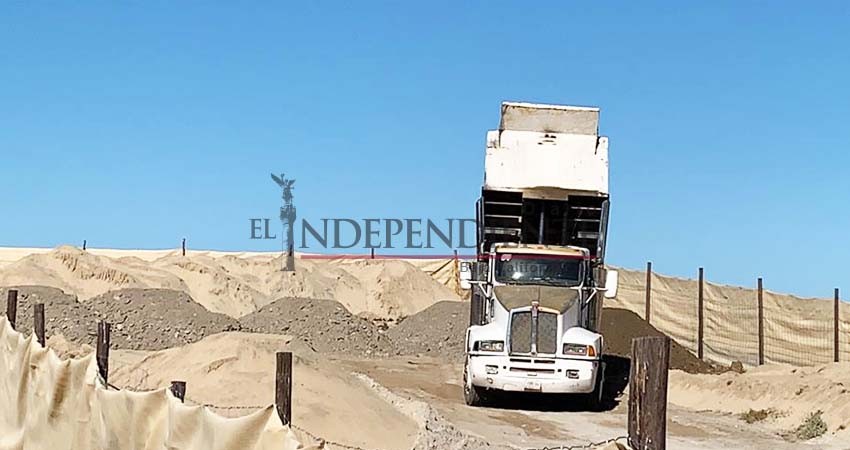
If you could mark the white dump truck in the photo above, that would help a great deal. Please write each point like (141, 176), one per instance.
(539, 276)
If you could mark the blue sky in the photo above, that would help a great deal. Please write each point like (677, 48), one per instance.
(132, 125)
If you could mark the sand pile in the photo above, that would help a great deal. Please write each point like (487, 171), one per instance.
(436, 331)
(786, 394)
(237, 369)
(227, 285)
(154, 319)
(236, 285)
(323, 325)
(83, 274)
(395, 287)
(620, 326)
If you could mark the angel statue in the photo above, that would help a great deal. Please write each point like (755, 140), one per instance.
(287, 219)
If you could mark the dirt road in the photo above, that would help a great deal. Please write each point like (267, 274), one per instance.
(439, 385)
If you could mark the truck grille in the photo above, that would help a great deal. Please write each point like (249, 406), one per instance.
(547, 332)
(521, 332)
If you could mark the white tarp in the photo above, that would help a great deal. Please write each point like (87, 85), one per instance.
(53, 404)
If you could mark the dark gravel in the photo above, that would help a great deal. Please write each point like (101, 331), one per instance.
(438, 331)
(325, 325)
(63, 314)
(155, 319)
(620, 326)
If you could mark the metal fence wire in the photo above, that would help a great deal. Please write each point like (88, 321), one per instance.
(786, 329)
(590, 445)
(731, 325)
(337, 445)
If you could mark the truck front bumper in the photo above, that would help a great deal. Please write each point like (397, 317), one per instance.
(527, 374)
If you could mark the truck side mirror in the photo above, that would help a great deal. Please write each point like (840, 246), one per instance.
(612, 278)
(465, 275)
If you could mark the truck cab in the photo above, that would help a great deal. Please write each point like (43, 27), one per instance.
(539, 278)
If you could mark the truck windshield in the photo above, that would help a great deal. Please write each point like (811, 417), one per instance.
(553, 270)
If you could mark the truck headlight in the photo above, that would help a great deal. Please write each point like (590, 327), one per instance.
(579, 350)
(491, 346)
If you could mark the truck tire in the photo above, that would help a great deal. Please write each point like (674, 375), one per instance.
(472, 395)
(596, 399)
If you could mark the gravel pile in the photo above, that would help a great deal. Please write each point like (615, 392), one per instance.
(438, 331)
(620, 326)
(63, 314)
(156, 319)
(324, 325)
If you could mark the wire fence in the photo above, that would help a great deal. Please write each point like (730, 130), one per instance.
(330, 444)
(730, 327)
(590, 445)
(750, 325)
(249, 408)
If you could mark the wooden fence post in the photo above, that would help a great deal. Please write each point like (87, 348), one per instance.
(103, 332)
(648, 393)
(38, 323)
(283, 387)
(836, 324)
(178, 389)
(761, 321)
(12, 307)
(700, 317)
(648, 290)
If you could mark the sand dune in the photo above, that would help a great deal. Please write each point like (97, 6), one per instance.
(232, 284)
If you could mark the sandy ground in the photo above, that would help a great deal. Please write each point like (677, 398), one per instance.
(378, 403)
(390, 403)
(412, 401)
(237, 369)
(439, 385)
(791, 393)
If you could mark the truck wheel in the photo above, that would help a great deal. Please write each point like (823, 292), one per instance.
(472, 394)
(595, 400)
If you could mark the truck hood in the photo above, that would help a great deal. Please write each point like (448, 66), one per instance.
(553, 297)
